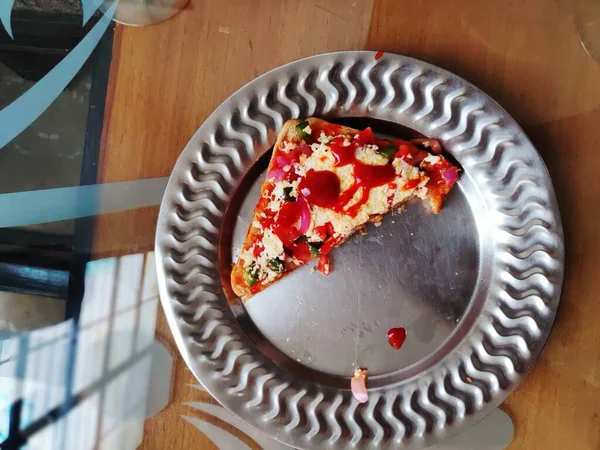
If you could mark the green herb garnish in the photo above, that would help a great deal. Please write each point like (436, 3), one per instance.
(388, 151)
(315, 248)
(287, 194)
(300, 130)
(251, 275)
(276, 265)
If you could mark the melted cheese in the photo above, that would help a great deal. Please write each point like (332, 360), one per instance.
(323, 138)
(273, 245)
(273, 248)
(288, 146)
(320, 159)
(278, 194)
(432, 159)
(405, 170)
(369, 155)
(346, 176)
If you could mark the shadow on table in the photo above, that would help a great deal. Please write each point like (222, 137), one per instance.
(84, 384)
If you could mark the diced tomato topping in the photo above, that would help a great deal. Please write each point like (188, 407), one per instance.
(328, 245)
(420, 156)
(324, 265)
(410, 153)
(330, 229)
(411, 184)
(321, 231)
(301, 251)
(258, 248)
(366, 136)
(404, 153)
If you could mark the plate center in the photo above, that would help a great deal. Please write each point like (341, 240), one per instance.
(417, 270)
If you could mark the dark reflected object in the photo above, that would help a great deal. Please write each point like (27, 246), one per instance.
(50, 260)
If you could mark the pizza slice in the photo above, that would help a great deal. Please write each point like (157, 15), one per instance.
(325, 182)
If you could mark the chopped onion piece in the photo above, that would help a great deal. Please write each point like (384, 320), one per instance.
(358, 385)
(305, 149)
(277, 174)
(283, 160)
(304, 215)
(450, 175)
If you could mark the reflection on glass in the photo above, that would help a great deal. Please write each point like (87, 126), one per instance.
(587, 21)
(146, 12)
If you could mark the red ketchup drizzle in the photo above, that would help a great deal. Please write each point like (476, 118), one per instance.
(396, 337)
(321, 188)
(366, 176)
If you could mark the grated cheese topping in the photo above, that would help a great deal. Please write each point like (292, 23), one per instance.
(380, 198)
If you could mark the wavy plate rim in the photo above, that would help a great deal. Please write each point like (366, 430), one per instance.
(527, 268)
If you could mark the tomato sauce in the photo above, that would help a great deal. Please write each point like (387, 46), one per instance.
(396, 337)
(321, 188)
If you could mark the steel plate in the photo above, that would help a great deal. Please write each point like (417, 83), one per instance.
(476, 286)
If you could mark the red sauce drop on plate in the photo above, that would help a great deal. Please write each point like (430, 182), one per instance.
(396, 337)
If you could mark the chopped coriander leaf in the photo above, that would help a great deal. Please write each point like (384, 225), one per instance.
(251, 275)
(388, 151)
(276, 265)
(287, 194)
(300, 130)
(314, 248)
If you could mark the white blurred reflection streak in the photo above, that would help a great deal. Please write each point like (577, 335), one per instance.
(74, 387)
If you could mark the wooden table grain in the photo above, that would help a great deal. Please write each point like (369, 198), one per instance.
(167, 78)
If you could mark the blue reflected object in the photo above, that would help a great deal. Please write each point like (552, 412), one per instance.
(5, 10)
(53, 205)
(23, 111)
(89, 8)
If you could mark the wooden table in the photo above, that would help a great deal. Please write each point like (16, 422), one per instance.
(166, 79)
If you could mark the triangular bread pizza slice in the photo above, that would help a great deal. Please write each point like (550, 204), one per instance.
(324, 182)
